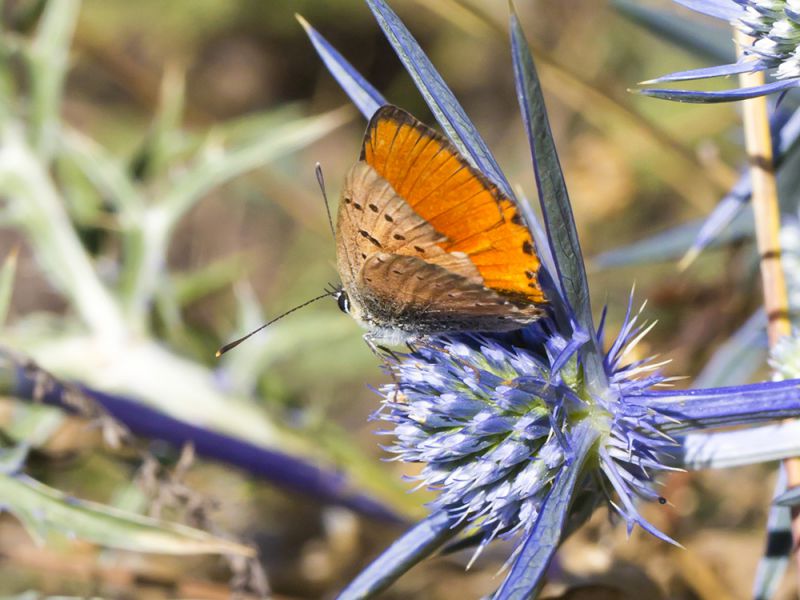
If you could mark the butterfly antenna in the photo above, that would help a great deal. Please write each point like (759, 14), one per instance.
(333, 289)
(321, 182)
(233, 344)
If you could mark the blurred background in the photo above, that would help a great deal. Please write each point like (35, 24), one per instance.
(162, 89)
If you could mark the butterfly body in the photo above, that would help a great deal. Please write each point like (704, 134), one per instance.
(427, 245)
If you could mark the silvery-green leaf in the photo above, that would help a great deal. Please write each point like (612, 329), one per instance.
(215, 169)
(45, 511)
(105, 172)
(7, 272)
(13, 459)
(671, 244)
(48, 64)
(725, 449)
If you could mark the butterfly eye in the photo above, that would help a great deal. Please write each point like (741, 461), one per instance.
(344, 302)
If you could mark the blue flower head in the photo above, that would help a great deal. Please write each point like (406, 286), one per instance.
(773, 27)
(522, 433)
(495, 420)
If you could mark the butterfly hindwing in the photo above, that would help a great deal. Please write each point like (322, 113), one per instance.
(408, 293)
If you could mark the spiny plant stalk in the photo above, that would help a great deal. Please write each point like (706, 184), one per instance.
(766, 213)
(758, 141)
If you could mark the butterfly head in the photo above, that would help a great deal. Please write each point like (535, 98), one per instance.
(343, 301)
(378, 329)
(349, 306)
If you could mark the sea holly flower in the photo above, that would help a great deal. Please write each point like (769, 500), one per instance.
(774, 28)
(496, 420)
(523, 433)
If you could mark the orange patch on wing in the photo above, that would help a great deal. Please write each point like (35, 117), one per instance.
(457, 200)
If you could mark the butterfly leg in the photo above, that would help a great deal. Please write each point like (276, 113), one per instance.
(378, 350)
(381, 352)
(390, 352)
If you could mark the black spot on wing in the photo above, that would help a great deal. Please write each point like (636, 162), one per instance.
(367, 235)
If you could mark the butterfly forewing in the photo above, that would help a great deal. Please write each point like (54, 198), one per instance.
(425, 169)
(374, 218)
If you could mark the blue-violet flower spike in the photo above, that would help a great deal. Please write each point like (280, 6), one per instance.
(492, 419)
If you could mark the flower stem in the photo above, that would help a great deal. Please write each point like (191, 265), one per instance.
(766, 209)
(766, 212)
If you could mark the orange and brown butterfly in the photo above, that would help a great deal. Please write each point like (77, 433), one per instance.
(426, 244)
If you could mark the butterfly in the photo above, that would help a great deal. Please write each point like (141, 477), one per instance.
(426, 244)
